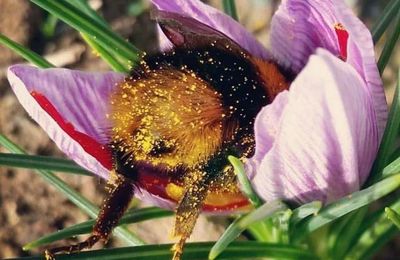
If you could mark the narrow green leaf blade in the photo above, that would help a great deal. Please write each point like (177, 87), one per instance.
(260, 231)
(379, 231)
(345, 205)
(101, 51)
(386, 17)
(392, 168)
(344, 233)
(389, 136)
(133, 216)
(104, 54)
(300, 213)
(84, 6)
(193, 251)
(79, 20)
(25, 53)
(230, 8)
(241, 223)
(42, 163)
(393, 216)
(244, 181)
(389, 45)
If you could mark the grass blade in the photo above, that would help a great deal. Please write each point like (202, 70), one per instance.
(304, 211)
(79, 20)
(230, 8)
(386, 17)
(42, 163)
(84, 6)
(71, 194)
(244, 181)
(344, 234)
(388, 140)
(193, 251)
(393, 216)
(240, 224)
(374, 236)
(48, 27)
(389, 45)
(392, 168)
(25, 53)
(345, 205)
(260, 232)
(102, 52)
(133, 216)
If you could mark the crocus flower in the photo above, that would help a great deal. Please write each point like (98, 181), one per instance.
(315, 141)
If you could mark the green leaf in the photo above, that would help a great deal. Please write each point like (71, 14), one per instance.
(386, 17)
(105, 37)
(25, 53)
(392, 168)
(282, 221)
(261, 232)
(389, 136)
(377, 233)
(84, 6)
(344, 234)
(241, 223)
(345, 205)
(71, 194)
(300, 213)
(102, 52)
(244, 181)
(42, 163)
(193, 251)
(132, 216)
(49, 26)
(105, 55)
(230, 8)
(393, 216)
(137, 7)
(389, 45)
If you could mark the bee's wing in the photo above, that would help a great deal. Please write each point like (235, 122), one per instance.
(186, 32)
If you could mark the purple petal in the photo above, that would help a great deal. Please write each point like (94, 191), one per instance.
(325, 138)
(71, 106)
(301, 26)
(215, 19)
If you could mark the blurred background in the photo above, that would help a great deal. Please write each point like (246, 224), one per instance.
(30, 208)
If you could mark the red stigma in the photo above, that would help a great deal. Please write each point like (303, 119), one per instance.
(343, 37)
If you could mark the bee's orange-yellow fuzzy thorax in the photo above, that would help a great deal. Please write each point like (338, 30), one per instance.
(169, 117)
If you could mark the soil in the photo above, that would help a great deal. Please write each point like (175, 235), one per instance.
(29, 207)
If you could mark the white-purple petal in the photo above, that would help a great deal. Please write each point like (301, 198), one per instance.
(300, 26)
(79, 98)
(326, 135)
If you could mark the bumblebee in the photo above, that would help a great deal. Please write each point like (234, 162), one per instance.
(175, 120)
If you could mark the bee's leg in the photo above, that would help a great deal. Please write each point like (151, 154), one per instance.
(188, 211)
(120, 194)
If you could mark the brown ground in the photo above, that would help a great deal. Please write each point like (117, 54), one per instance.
(30, 208)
